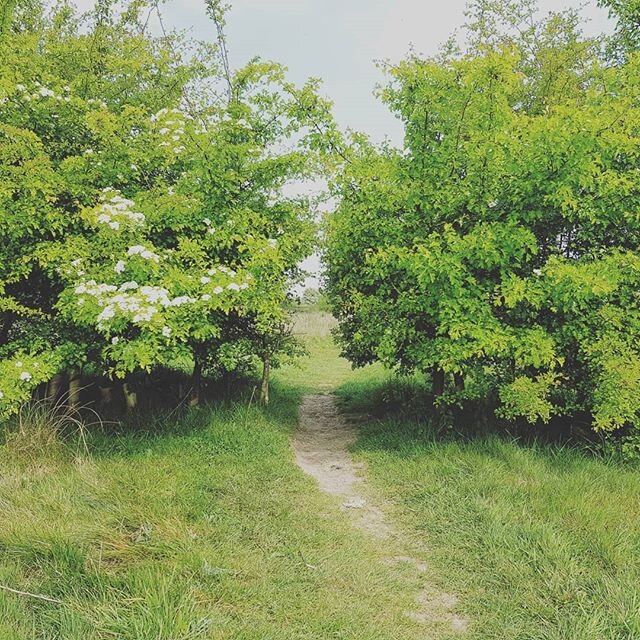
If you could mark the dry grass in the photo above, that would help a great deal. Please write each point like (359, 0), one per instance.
(313, 323)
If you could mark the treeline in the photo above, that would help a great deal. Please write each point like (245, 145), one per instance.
(498, 250)
(143, 221)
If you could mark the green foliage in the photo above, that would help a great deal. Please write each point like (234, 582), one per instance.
(143, 215)
(500, 245)
(627, 15)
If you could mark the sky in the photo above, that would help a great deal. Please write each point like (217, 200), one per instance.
(339, 42)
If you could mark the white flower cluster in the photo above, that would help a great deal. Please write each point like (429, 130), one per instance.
(140, 304)
(171, 123)
(24, 376)
(100, 103)
(232, 286)
(42, 92)
(146, 254)
(116, 210)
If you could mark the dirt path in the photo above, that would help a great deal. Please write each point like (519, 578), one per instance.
(322, 446)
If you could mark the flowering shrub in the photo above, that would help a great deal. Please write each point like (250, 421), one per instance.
(143, 215)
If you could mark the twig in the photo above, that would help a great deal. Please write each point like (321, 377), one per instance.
(31, 595)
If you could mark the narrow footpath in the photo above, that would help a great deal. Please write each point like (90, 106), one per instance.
(322, 448)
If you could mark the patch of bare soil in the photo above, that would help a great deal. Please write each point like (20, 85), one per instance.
(322, 446)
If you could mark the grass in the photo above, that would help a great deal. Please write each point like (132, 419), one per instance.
(201, 527)
(539, 541)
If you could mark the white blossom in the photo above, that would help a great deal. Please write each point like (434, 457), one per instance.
(120, 266)
(107, 313)
(26, 376)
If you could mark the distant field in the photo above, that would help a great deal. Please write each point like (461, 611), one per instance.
(314, 323)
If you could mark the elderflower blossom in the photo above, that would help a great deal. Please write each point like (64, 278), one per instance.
(120, 266)
(115, 210)
(144, 315)
(166, 331)
(25, 376)
(147, 254)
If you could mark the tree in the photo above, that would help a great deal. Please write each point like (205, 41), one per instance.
(498, 250)
(144, 220)
(627, 15)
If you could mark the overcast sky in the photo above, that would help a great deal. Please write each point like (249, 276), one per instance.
(338, 41)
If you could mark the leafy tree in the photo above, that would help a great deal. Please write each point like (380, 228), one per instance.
(142, 208)
(499, 249)
(627, 15)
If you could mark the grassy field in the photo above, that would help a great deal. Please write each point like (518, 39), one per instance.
(539, 541)
(203, 527)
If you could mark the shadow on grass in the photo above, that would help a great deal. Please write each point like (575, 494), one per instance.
(398, 415)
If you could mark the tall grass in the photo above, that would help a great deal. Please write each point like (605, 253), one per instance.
(539, 541)
(43, 428)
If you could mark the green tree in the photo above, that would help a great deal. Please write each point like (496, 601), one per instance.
(499, 249)
(143, 209)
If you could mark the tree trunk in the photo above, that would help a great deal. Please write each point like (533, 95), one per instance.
(458, 379)
(196, 381)
(75, 386)
(438, 382)
(130, 396)
(106, 396)
(264, 386)
(53, 388)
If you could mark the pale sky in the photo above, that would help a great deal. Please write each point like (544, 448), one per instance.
(338, 41)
